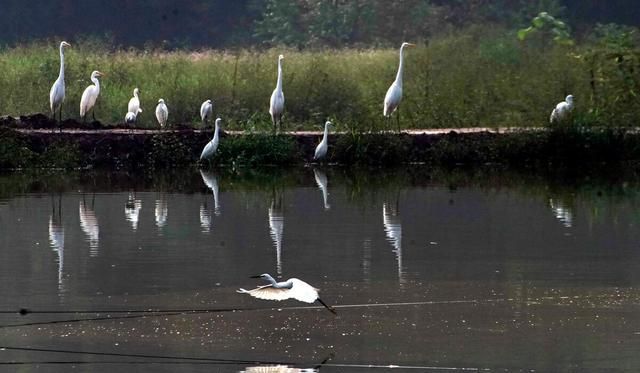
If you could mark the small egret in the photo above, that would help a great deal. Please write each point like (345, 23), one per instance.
(56, 95)
(292, 288)
(134, 102)
(276, 104)
(321, 149)
(394, 93)
(212, 145)
(90, 95)
(206, 111)
(562, 110)
(162, 113)
(131, 117)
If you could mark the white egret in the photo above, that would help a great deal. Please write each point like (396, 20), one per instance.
(56, 95)
(162, 113)
(134, 102)
(321, 149)
(132, 117)
(206, 111)
(276, 104)
(292, 288)
(394, 93)
(90, 95)
(562, 110)
(212, 145)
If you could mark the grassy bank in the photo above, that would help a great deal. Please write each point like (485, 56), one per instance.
(471, 78)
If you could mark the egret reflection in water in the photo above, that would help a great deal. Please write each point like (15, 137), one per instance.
(211, 181)
(132, 210)
(562, 211)
(161, 211)
(56, 238)
(321, 181)
(393, 231)
(276, 225)
(89, 225)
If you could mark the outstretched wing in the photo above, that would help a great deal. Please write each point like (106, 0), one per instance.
(302, 291)
(268, 292)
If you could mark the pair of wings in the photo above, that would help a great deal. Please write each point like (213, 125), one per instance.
(300, 290)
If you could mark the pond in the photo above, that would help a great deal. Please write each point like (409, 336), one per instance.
(427, 270)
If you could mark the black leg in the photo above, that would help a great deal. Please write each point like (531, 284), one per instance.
(331, 309)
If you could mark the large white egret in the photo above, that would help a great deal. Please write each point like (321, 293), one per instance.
(56, 95)
(134, 102)
(394, 93)
(321, 149)
(212, 145)
(162, 113)
(562, 110)
(206, 111)
(276, 104)
(292, 288)
(90, 95)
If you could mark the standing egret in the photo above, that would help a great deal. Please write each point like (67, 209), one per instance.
(206, 111)
(90, 95)
(162, 113)
(394, 93)
(131, 117)
(292, 288)
(276, 104)
(321, 149)
(134, 102)
(562, 110)
(212, 145)
(56, 95)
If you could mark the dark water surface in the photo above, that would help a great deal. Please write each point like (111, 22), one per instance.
(428, 272)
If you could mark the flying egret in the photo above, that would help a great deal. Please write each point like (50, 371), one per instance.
(206, 111)
(276, 104)
(132, 117)
(212, 145)
(394, 93)
(292, 288)
(134, 102)
(162, 113)
(562, 110)
(90, 95)
(321, 149)
(56, 95)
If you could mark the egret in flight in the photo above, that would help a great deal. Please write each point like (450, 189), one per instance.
(562, 110)
(292, 288)
(90, 95)
(56, 95)
(211, 147)
(206, 111)
(134, 102)
(162, 113)
(276, 104)
(321, 149)
(394, 93)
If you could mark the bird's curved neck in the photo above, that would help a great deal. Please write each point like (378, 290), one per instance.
(135, 94)
(271, 280)
(400, 67)
(96, 82)
(61, 75)
(326, 132)
(279, 84)
(215, 132)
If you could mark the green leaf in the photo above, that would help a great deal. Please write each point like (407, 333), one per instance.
(522, 33)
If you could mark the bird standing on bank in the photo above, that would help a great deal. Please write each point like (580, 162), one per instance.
(394, 93)
(292, 288)
(90, 95)
(276, 104)
(211, 147)
(206, 111)
(562, 110)
(56, 95)
(132, 117)
(321, 149)
(134, 102)
(162, 113)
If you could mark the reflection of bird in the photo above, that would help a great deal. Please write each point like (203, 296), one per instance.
(276, 227)
(206, 111)
(56, 95)
(562, 212)
(205, 218)
(132, 210)
(161, 212)
(90, 227)
(321, 181)
(562, 110)
(131, 117)
(292, 288)
(394, 93)
(393, 230)
(211, 181)
(211, 147)
(56, 239)
(134, 102)
(162, 113)
(90, 95)
(321, 149)
(276, 104)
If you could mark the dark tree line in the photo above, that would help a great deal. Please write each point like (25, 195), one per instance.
(298, 23)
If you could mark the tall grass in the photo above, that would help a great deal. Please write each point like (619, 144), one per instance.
(472, 78)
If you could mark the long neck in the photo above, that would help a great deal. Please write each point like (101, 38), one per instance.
(135, 94)
(96, 82)
(215, 132)
(400, 67)
(270, 280)
(326, 132)
(61, 75)
(279, 84)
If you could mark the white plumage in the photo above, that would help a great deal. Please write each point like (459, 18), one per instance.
(394, 93)
(211, 147)
(162, 113)
(562, 110)
(134, 102)
(321, 149)
(276, 104)
(56, 95)
(131, 117)
(90, 94)
(206, 111)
